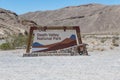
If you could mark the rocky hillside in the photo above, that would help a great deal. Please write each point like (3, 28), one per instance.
(92, 18)
(10, 23)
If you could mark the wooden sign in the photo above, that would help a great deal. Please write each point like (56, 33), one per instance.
(52, 38)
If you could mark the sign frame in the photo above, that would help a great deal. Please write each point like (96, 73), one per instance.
(44, 28)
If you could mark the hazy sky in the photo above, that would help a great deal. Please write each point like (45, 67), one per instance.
(23, 6)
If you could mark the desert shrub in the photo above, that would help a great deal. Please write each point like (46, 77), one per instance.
(115, 41)
(103, 40)
(19, 41)
(116, 44)
(100, 49)
(111, 47)
(13, 42)
(83, 36)
(6, 46)
(116, 38)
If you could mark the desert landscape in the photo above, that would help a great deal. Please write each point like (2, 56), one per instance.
(100, 29)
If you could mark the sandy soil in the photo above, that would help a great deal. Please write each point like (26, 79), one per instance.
(103, 65)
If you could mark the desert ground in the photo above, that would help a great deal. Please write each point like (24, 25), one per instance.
(99, 65)
(102, 63)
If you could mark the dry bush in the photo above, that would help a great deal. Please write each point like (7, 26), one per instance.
(115, 41)
(100, 49)
(111, 47)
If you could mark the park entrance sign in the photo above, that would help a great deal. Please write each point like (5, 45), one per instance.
(53, 41)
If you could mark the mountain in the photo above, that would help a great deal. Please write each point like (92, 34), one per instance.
(92, 18)
(36, 44)
(11, 23)
(73, 37)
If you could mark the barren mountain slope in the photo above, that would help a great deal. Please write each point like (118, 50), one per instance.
(91, 17)
(10, 23)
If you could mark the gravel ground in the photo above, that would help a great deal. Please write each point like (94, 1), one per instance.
(98, 66)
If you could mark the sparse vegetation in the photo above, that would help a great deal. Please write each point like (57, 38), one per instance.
(115, 44)
(14, 42)
(103, 40)
(6, 46)
(100, 49)
(115, 41)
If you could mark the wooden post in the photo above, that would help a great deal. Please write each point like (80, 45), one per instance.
(78, 34)
(29, 40)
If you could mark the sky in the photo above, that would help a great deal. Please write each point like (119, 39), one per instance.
(24, 6)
